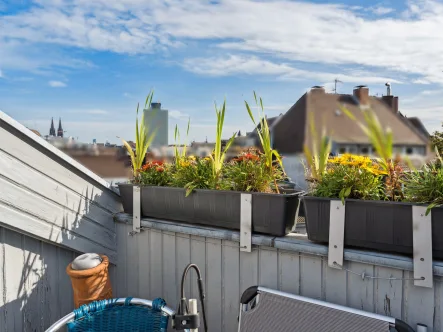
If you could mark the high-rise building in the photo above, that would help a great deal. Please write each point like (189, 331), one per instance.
(157, 118)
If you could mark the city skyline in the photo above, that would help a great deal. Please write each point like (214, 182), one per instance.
(90, 63)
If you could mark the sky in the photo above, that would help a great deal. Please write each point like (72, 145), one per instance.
(91, 62)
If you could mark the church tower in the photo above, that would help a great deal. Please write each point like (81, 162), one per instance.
(52, 129)
(60, 129)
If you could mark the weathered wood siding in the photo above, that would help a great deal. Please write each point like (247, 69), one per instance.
(35, 290)
(151, 263)
(46, 194)
(51, 209)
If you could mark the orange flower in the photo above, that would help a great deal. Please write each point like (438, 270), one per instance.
(152, 164)
(247, 156)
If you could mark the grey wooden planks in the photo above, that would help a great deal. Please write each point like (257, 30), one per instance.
(35, 290)
(227, 272)
(49, 195)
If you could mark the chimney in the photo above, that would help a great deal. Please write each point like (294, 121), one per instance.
(391, 102)
(388, 88)
(317, 89)
(361, 92)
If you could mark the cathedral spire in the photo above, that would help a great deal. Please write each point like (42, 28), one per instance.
(52, 129)
(60, 129)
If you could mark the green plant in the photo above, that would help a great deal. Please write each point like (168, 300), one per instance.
(143, 140)
(380, 138)
(156, 173)
(393, 181)
(351, 176)
(437, 141)
(180, 155)
(193, 173)
(425, 186)
(382, 141)
(218, 156)
(249, 172)
(316, 156)
(264, 135)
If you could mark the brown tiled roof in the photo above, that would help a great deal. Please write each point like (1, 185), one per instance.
(292, 130)
(416, 122)
(271, 122)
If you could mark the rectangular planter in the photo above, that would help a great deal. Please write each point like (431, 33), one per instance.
(379, 225)
(272, 214)
(126, 195)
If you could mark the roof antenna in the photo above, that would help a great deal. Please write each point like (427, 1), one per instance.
(335, 85)
(388, 85)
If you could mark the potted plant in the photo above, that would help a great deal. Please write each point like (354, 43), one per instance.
(378, 195)
(143, 140)
(208, 190)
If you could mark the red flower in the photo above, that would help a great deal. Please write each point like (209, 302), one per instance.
(160, 169)
(247, 157)
(152, 164)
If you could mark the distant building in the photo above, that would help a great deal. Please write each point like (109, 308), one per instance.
(35, 132)
(157, 118)
(290, 132)
(60, 128)
(52, 128)
(111, 163)
(60, 131)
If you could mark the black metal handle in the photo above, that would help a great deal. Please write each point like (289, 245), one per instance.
(401, 326)
(183, 309)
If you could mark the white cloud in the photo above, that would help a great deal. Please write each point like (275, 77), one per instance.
(252, 65)
(421, 81)
(425, 105)
(178, 115)
(380, 10)
(234, 64)
(57, 84)
(431, 92)
(294, 31)
(29, 57)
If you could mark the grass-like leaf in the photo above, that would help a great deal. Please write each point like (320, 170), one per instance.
(143, 139)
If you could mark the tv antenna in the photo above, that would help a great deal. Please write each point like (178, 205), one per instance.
(335, 85)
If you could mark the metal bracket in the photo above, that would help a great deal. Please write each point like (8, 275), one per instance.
(297, 212)
(336, 234)
(136, 213)
(245, 222)
(422, 240)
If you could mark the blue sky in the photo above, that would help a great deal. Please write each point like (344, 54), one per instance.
(90, 62)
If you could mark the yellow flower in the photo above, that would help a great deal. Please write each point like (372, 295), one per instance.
(184, 163)
(191, 157)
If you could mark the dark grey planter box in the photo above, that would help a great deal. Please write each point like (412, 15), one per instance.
(379, 225)
(272, 214)
(126, 194)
